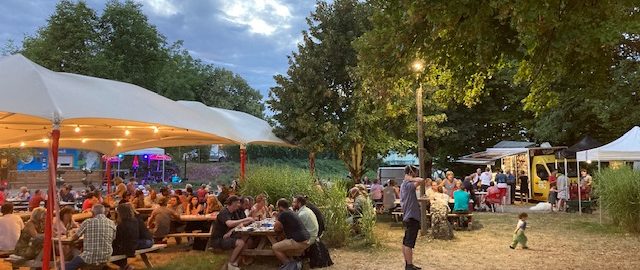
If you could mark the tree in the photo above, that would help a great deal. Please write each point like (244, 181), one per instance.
(68, 42)
(321, 103)
(224, 89)
(131, 49)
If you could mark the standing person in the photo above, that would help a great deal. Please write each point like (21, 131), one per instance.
(485, 179)
(35, 200)
(449, 183)
(585, 183)
(411, 214)
(524, 187)
(10, 226)
(563, 192)
(389, 195)
(121, 188)
(553, 176)
(518, 234)
(476, 178)
(99, 233)
(297, 238)
(511, 181)
(222, 236)
(131, 186)
(501, 180)
(376, 194)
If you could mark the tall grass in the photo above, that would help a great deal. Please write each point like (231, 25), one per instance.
(333, 205)
(619, 193)
(277, 182)
(368, 223)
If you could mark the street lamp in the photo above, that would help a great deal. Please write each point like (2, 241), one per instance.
(418, 67)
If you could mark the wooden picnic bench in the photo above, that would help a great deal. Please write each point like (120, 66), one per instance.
(142, 253)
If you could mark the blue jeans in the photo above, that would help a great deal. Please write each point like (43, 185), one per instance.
(74, 264)
(144, 243)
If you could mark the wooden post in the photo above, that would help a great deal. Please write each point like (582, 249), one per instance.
(243, 160)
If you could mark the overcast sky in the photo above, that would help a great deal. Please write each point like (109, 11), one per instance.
(249, 37)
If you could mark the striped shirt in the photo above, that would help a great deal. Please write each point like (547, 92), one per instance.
(99, 233)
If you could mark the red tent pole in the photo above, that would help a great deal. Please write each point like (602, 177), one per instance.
(108, 172)
(243, 161)
(53, 164)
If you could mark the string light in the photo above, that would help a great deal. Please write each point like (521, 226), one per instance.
(155, 129)
(45, 140)
(84, 140)
(127, 132)
(22, 144)
(77, 129)
(118, 143)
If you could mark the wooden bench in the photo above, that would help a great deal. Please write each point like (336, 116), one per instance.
(397, 215)
(16, 263)
(142, 253)
(459, 216)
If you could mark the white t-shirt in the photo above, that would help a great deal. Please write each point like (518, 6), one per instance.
(485, 178)
(10, 226)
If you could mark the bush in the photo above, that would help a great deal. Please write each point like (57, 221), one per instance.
(619, 193)
(285, 182)
(368, 224)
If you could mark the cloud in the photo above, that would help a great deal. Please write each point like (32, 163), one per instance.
(263, 17)
(163, 8)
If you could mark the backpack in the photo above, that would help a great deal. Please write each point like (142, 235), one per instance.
(318, 255)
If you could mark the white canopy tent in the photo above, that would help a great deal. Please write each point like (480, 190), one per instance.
(625, 148)
(146, 151)
(47, 109)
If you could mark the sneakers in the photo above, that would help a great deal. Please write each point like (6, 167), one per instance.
(512, 247)
(230, 266)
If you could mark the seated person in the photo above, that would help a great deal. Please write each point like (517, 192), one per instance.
(356, 207)
(90, 200)
(138, 200)
(194, 207)
(10, 225)
(319, 217)
(29, 245)
(461, 199)
(260, 210)
(213, 205)
(160, 220)
(493, 195)
(308, 218)
(35, 200)
(24, 195)
(127, 234)
(99, 233)
(66, 195)
(389, 195)
(222, 236)
(247, 205)
(296, 235)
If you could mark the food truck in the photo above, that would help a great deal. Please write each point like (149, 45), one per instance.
(536, 162)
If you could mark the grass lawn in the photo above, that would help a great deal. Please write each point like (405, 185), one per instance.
(556, 241)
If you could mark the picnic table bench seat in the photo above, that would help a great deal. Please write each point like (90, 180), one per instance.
(142, 253)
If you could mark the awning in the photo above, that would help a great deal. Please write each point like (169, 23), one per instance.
(490, 156)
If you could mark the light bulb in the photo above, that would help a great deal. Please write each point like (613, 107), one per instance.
(84, 140)
(155, 130)
(22, 144)
(77, 129)
(45, 140)
(127, 132)
(118, 143)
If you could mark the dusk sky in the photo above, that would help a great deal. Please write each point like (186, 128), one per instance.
(249, 37)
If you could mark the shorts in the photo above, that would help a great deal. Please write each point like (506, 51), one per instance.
(290, 245)
(411, 232)
(224, 243)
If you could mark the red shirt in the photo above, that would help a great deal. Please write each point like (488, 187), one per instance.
(86, 205)
(202, 195)
(1, 198)
(552, 179)
(35, 201)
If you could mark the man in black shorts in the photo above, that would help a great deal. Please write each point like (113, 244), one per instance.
(222, 236)
(411, 214)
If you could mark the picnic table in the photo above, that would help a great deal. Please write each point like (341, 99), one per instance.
(262, 230)
(193, 218)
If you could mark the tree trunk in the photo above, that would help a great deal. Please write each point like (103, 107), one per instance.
(353, 160)
(312, 163)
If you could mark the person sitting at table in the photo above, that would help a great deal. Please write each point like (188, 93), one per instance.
(99, 233)
(194, 207)
(461, 199)
(222, 236)
(35, 200)
(376, 193)
(24, 195)
(296, 235)
(160, 220)
(2, 196)
(145, 238)
(429, 193)
(29, 245)
(164, 193)
(212, 205)
(319, 216)
(10, 226)
(182, 198)
(247, 205)
(174, 204)
(131, 186)
(389, 195)
(91, 200)
(493, 196)
(308, 218)
(121, 188)
(202, 194)
(356, 208)
(138, 200)
(260, 210)
(66, 195)
(224, 193)
(450, 184)
(127, 234)
(151, 197)
(64, 225)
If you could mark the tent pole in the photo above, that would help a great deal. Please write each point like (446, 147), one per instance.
(579, 195)
(243, 160)
(163, 170)
(53, 162)
(108, 172)
(600, 203)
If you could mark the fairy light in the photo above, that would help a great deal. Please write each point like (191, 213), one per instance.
(118, 143)
(84, 140)
(77, 129)
(155, 129)
(45, 140)
(127, 132)
(23, 144)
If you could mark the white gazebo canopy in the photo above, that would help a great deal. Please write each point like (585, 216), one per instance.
(245, 128)
(95, 114)
(625, 148)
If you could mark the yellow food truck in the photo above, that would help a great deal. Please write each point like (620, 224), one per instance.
(525, 158)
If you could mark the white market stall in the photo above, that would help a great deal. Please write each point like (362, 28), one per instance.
(625, 148)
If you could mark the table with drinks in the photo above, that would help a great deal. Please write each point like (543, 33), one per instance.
(263, 230)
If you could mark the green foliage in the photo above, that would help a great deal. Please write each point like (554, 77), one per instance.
(368, 224)
(334, 209)
(320, 104)
(277, 182)
(195, 261)
(619, 193)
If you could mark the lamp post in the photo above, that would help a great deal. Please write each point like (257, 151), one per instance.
(418, 67)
